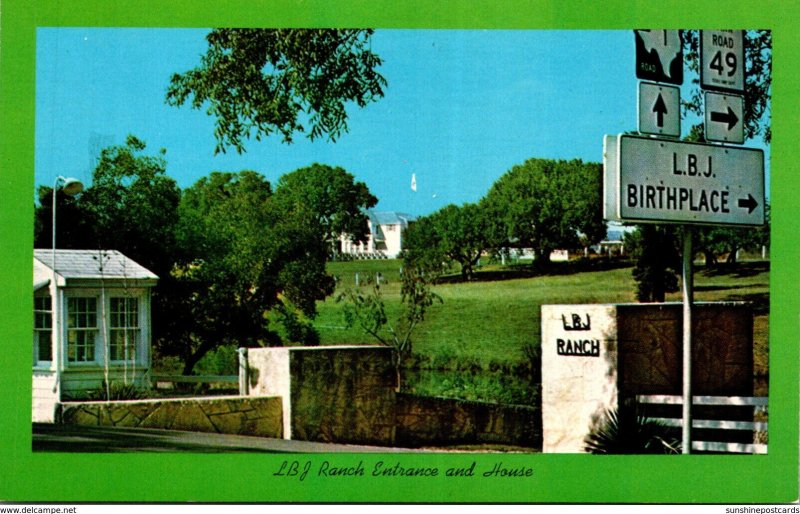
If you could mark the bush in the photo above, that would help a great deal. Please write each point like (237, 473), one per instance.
(629, 432)
(117, 391)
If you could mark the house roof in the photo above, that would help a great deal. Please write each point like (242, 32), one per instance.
(392, 217)
(93, 264)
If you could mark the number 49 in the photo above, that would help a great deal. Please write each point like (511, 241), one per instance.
(730, 61)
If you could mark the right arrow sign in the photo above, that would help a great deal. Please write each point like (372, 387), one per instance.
(723, 121)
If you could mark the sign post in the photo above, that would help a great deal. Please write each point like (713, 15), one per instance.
(687, 277)
(650, 179)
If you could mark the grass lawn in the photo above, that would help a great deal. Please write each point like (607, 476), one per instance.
(486, 324)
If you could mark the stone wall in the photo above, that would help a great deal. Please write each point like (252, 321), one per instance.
(225, 415)
(423, 421)
(342, 394)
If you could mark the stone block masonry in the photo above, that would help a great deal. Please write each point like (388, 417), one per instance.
(423, 421)
(342, 394)
(253, 416)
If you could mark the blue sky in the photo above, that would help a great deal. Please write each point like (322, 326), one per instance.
(461, 108)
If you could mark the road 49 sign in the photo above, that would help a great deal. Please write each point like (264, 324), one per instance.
(658, 180)
(722, 60)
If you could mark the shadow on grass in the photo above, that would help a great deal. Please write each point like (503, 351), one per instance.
(760, 301)
(736, 270)
(518, 271)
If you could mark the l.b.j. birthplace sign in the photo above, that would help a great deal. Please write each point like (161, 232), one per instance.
(657, 180)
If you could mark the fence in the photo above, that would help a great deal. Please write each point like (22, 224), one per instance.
(169, 381)
(721, 424)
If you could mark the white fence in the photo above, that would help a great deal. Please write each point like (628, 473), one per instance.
(718, 426)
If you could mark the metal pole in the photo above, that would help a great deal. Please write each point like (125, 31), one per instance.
(687, 279)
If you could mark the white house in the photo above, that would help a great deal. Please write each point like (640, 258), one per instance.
(385, 237)
(91, 320)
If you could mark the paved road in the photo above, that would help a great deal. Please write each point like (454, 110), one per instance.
(65, 438)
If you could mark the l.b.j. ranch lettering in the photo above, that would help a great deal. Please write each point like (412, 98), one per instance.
(578, 347)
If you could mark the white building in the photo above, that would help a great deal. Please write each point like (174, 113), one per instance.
(385, 239)
(101, 301)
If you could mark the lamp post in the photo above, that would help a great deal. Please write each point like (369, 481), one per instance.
(71, 187)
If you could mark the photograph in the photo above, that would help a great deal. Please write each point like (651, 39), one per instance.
(289, 253)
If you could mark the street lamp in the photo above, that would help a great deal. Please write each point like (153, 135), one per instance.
(71, 187)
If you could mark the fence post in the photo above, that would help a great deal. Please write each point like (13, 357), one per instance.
(244, 378)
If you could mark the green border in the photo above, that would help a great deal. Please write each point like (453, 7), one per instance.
(248, 477)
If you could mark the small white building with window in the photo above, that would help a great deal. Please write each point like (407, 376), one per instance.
(385, 238)
(91, 323)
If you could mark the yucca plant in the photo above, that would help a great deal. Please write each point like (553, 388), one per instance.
(116, 392)
(629, 432)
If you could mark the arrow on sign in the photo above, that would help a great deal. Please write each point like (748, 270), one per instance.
(660, 109)
(725, 117)
(748, 203)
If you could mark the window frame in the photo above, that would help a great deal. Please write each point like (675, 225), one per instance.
(40, 333)
(87, 331)
(135, 330)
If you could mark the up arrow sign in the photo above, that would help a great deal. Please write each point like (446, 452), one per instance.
(660, 109)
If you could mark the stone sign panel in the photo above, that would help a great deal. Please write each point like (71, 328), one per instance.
(579, 380)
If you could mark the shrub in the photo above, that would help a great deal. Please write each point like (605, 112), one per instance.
(629, 432)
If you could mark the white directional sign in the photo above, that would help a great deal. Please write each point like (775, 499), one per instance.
(722, 60)
(659, 109)
(724, 118)
(610, 188)
(661, 181)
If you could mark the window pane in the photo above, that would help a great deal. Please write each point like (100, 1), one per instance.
(45, 345)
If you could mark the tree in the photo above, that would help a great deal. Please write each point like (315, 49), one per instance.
(74, 225)
(328, 199)
(460, 234)
(545, 204)
(367, 310)
(253, 261)
(133, 205)
(655, 248)
(257, 82)
(714, 241)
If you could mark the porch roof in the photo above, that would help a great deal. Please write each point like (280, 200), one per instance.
(93, 264)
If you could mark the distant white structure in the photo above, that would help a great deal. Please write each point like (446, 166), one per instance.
(385, 239)
(91, 315)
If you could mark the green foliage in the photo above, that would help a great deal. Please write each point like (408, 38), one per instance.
(656, 251)
(459, 234)
(133, 205)
(257, 82)
(367, 310)
(545, 204)
(117, 391)
(715, 241)
(328, 199)
(627, 432)
(223, 360)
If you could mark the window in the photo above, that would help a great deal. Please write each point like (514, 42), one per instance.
(42, 329)
(123, 329)
(81, 329)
